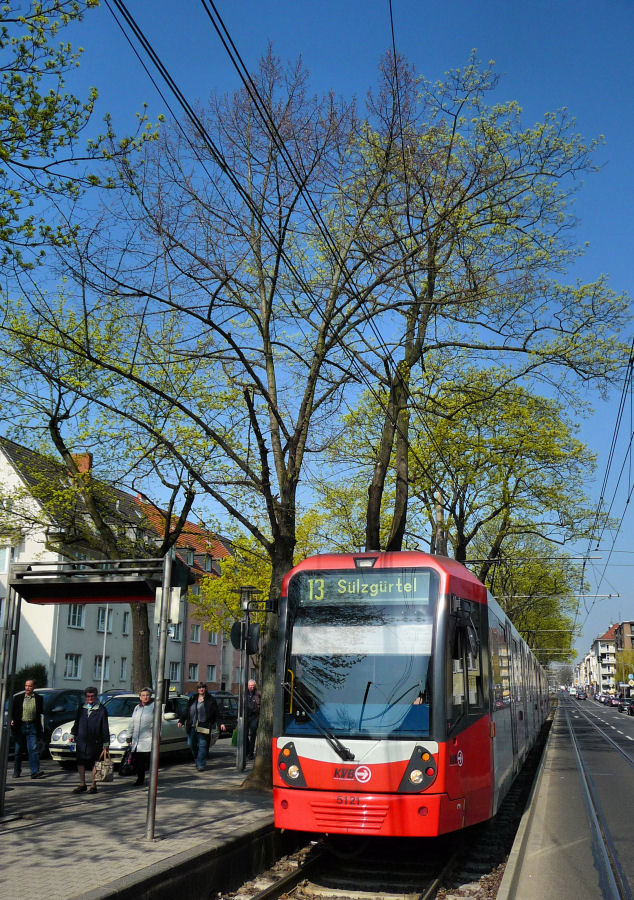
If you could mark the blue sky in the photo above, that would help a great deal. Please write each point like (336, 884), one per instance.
(549, 54)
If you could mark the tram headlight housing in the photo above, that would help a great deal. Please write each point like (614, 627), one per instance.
(289, 767)
(421, 771)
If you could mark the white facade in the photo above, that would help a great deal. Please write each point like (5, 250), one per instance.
(68, 639)
(603, 662)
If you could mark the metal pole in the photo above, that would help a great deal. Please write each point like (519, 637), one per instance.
(8, 657)
(103, 650)
(241, 755)
(158, 696)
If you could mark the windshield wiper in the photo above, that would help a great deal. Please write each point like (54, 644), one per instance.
(340, 749)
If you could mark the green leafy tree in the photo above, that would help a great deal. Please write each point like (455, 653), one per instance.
(624, 665)
(477, 221)
(37, 671)
(40, 122)
(94, 511)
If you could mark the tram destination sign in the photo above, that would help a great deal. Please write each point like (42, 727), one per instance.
(361, 586)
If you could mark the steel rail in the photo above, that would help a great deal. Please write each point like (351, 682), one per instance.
(614, 881)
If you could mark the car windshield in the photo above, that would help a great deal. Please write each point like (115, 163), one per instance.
(121, 706)
(360, 653)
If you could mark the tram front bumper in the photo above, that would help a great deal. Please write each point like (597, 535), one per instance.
(386, 815)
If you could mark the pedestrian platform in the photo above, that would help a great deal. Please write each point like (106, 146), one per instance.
(552, 855)
(55, 844)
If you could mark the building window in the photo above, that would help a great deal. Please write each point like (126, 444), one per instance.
(211, 673)
(209, 563)
(194, 633)
(72, 665)
(97, 671)
(175, 630)
(175, 671)
(5, 558)
(192, 672)
(123, 672)
(190, 557)
(76, 615)
(213, 637)
(125, 628)
(104, 613)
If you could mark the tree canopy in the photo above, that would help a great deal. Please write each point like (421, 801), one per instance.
(250, 274)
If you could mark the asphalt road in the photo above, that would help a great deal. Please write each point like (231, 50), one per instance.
(605, 741)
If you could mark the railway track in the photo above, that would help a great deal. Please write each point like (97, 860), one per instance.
(465, 864)
(605, 852)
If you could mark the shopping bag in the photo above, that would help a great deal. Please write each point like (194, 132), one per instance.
(104, 768)
(126, 766)
(202, 729)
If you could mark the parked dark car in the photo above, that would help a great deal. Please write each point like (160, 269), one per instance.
(625, 703)
(228, 709)
(60, 705)
(581, 695)
(613, 701)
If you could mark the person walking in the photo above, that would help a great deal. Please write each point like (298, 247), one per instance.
(252, 710)
(90, 733)
(200, 718)
(26, 727)
(141, 734)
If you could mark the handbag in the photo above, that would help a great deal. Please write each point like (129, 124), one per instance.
(126, 767)
(104, 767)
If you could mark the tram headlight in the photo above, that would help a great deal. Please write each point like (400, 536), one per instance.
(293, 772)
(416, 776)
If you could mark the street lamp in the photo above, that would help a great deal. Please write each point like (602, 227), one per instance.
(245, 637)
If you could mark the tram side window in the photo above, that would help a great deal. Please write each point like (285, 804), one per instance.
(500, 674)
(465, 693)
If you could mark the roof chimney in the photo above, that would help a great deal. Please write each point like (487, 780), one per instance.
(83, 461)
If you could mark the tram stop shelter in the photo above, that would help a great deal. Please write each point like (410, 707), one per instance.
(89, 582)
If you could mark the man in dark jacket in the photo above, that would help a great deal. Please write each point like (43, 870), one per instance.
(200, 720)
(91, 733)
(26, 727)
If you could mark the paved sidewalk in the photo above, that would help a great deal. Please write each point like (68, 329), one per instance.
(66, 845)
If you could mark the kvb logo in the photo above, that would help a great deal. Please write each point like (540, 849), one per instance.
(363, 774)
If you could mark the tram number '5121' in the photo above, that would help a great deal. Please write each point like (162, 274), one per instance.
(315, 588)
(349, 801)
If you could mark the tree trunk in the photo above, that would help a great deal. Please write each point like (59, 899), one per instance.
(141, 662)
(261, 776)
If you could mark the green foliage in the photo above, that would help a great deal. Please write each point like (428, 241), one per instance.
(40, 121)
(218, 603)
(37, 671)
(624, 665)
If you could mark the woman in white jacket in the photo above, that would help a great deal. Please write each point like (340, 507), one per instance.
(141, 734)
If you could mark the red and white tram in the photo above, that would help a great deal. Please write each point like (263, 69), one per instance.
(406, 700)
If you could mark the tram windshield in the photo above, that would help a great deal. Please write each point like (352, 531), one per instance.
(360, 653)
